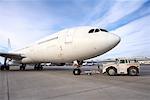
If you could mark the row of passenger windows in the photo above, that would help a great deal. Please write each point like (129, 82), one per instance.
(97, 30)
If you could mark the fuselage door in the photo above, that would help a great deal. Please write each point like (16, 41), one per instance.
(68, 37)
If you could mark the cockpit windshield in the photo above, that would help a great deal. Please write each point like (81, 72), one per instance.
(91, 31)
(97, 30)
(104, 30)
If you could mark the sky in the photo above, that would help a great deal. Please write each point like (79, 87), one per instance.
(26, 21)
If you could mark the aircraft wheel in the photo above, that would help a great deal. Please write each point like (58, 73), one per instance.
(2, 67)
(112, 71)
(22, 68)
(35, 68)
(38, 68)
(41, 68)
(76, 71)
(133, 71)
(7, 67)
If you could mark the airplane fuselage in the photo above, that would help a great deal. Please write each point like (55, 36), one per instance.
(69, 45)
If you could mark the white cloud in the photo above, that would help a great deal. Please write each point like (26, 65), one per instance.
(117, 11)
(23, 25)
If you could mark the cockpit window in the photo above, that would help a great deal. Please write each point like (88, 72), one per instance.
(96, 30)
(91, 31)
(103, 30)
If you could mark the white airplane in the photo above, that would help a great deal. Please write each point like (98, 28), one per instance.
(73, 44)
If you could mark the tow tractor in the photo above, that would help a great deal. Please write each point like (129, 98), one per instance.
(121, 66)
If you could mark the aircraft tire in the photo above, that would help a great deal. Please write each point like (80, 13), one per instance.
(41, 68)
(22, 68)
(76, 71)
(7, 67)
(2, 67)
(35, 68)
(38, 68)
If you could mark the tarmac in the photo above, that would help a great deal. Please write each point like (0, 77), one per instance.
(58, 83)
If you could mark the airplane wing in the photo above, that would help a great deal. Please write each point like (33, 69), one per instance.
(12, 56)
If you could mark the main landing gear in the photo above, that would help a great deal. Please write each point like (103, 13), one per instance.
(5, 66)
(38, 67)
(77, 70)
(23, 67)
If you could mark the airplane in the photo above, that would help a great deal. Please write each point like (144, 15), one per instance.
(68, 45)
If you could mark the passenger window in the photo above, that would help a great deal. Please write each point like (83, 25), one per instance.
(91, 31)
(103, 30)
(96, 30)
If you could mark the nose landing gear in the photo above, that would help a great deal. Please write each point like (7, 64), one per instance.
(77, 70)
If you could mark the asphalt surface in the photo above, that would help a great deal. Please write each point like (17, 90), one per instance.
(58, 83)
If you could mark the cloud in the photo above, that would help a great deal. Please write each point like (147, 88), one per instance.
(118, 12)
(144, 10)
(23, 24)
(98, 11)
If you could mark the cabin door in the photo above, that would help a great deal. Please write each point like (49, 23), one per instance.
(68, 37)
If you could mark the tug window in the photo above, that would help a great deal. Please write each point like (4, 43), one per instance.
(91, 31)
(122, 61)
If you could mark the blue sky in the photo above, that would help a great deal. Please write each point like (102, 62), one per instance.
(26, 21)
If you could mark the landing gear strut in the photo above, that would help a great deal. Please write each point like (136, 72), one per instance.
(38, 67)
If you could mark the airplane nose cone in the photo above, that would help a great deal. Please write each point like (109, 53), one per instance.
(112, 40)
(115, 39)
